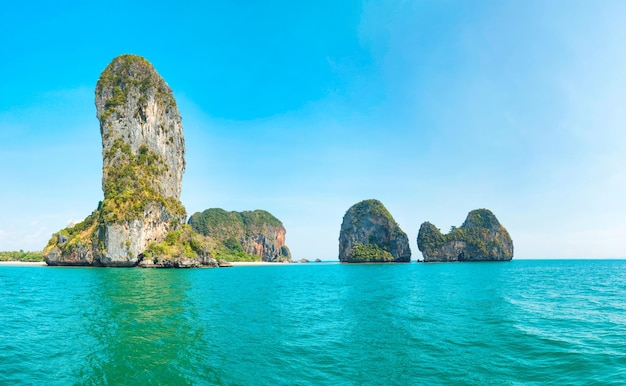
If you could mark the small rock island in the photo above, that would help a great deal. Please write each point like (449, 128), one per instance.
(369, 234)
(480, 238)
(256, 233)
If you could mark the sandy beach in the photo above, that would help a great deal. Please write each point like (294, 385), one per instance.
(267, 263)
(255, 263)
(23, 263)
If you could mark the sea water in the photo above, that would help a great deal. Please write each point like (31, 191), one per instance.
(518, 322)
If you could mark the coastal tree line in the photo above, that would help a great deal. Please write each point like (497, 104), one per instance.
(21, 256)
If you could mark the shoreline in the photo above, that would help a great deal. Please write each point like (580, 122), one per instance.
(24, 263)
(274, 264)
(234, 264)
(255, 263)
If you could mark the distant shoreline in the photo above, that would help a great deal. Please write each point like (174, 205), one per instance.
(23, 263)
(234, 263)
(255, 263)
(275, 264)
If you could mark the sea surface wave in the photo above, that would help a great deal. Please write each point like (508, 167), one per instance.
(520, 322)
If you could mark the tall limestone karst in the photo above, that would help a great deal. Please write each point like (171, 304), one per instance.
(370, 234)
(143, 151)
(257, 234)
(480, 238)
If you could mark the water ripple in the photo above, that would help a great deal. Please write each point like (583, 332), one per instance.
(524, 322)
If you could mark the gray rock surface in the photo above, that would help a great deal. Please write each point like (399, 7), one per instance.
(370, 234)
(480, 238)
(135, 106)
(258, 232)
(80, 255)
(143, 151)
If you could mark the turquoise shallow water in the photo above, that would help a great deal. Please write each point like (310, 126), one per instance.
(522, 322)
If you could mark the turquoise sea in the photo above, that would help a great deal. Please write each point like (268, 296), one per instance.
(521, 322)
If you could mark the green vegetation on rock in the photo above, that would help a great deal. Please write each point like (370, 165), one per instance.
(186, 243)
(83, 234)
(243, 236)
(231, 250)
(481, 237)
(183, 242)
(372, 208)
(128, 184)
(218, 223)
(430, 237)
(367, 253)
(370, 234)
(258, 218)
(131, 71)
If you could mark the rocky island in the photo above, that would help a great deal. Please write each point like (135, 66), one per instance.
(480, 238)
(248, 235)
(141, 221)
(143, 161)
(369, 234)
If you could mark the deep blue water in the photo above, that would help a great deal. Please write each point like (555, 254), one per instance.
(521, 322)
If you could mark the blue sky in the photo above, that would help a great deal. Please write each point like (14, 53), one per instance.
(305, 108)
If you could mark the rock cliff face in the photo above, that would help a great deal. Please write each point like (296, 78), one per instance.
(370, 234)
(143, 152)
(138, 116)
(480, 238)
(251, 232)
